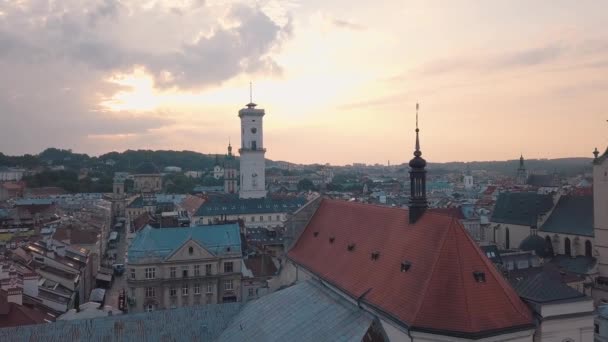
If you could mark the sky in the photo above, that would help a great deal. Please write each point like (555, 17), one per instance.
(339, 80)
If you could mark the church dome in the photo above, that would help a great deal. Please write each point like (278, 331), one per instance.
(417, 162)
(147, 167)
(535, 243)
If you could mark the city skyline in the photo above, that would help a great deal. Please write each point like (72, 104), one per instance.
(339, 84)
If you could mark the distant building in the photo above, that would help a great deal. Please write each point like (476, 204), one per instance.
(9, 174)
(522, 174)
(147, 178)
(230, 173)
(218, 170)
(177, 267)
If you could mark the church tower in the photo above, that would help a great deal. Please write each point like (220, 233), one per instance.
(522, 174)
(600, 211)
(230, 177)
(252, 151)
(468, 179)
(418, 203)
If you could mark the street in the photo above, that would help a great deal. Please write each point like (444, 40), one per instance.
(119, 282)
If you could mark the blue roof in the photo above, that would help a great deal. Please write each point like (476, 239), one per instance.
(303, 312)
(141, 201)
(159, 243)
(233, 205)
(572, 215)
(34, 201)
(198, 323)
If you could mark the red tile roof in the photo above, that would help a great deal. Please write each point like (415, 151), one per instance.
(438, 293)
(12, 315)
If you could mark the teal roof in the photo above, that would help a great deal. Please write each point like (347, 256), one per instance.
(306, 311)
(233, 205)
(197, 323)
(159, 243)
(572, 215)
(521, 208)
(34, 201)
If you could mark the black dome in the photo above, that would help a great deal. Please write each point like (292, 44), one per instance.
(147, 168)
(535, 243)
(417, 162)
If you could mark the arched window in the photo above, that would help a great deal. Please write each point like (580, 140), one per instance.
(190, 250)
(567, 247)
(507, 242)
(588, 249)
(548, 246)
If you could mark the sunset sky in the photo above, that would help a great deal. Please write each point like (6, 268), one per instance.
(339, 79)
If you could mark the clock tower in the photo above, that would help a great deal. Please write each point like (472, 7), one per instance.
(252, 151)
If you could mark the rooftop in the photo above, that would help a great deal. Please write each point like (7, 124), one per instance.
(572, 215)
(430, 276)
(233, 205)
(545, 287)
(162, 242)
(521, 208)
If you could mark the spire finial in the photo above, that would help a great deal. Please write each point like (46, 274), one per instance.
(251, 104)
(417, 152)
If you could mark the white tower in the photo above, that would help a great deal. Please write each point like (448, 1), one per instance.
(252, 151)
(600, 211)
(468, 179)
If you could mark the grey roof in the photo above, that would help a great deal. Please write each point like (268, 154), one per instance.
(304, 312)
(579, 265)
(572, 215)
(198, 323)
(233, 205)
(549, 181)
(545, 287)
(521, 208)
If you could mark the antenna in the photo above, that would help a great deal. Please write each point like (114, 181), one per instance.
(250, 92)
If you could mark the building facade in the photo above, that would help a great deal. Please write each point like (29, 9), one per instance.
(178, 267)
(230, 173)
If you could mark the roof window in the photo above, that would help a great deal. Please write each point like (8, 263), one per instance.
(375, 255)
(479, 276)
(405, 266)
(350, 247)
(315, 234)
(332, 239)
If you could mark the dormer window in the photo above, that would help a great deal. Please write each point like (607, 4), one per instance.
(190, 250)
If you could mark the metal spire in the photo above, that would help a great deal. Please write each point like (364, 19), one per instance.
(251, 104)
(417, 130)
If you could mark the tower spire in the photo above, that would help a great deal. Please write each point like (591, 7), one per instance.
(251, 104)
(418, 202)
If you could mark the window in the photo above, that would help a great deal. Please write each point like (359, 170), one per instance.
(150, 292)
(252, 218)
(209, 288)
(567, 250)
(172, 292)
(132, 291)
(150, 273)
(190, 250)
(197, 270)
(208, 269)
(228, 268)
(228, 285)
(269, 218)
(150, 308)
(250, 292)
(132, 273)
(197, 289)
(185, 271)
(261, 218)
(185, 290)
(173, 272)
(597, 328)
(278, 217)
(588, 249)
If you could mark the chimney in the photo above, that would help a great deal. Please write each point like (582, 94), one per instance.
(14, 295)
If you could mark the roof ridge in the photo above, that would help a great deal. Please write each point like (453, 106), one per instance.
(428, 280)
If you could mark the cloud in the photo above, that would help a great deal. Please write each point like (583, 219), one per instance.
(348, 25)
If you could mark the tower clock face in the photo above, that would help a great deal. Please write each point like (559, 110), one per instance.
(254, 130)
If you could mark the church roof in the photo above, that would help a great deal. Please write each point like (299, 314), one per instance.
(230, 204)
(306, 311)
(425, 275)
(159, 243)
(572, 215)
(147, 168)
(546, 286)
(535, 243)
(521, 208)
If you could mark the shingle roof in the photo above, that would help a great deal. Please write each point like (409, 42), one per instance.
(521, 208)
(198, 323)
(159, 243)
(544, 287)
(572, 215)
(437, 293)
(303, 312)
(233, 205)
(579, 265)
(543, 180)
